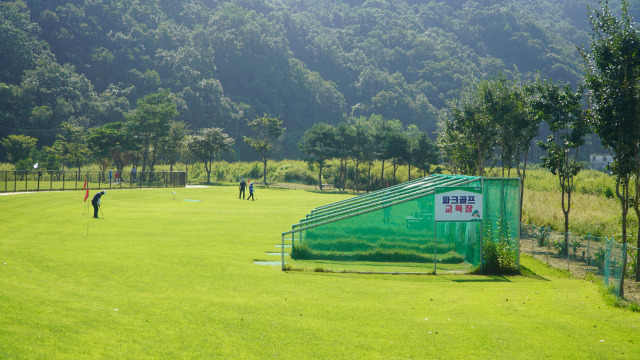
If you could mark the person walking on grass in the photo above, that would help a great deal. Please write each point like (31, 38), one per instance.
(96, 202)
(251, 192)
(243, 184)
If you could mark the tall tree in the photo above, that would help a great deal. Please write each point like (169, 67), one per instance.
(613, 78)
(527, 128)
(150, 121)
(468, 135)
(398, 150)
(361, 149)
(561, 109)
(207, 144)
(317, 143)
(345, 138)
(385, 131)
(71, 146)
(267, 130)
(171, 145)
(423, 152)
(112, 142)
(504, 104)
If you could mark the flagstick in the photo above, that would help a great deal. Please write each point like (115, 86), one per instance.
(86, 205)
(87, 222)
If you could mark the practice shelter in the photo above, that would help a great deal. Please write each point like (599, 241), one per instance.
(397, 225)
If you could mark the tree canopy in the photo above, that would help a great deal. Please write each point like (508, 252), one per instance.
(305, 61)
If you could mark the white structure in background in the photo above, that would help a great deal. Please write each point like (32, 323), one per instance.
(600, 162)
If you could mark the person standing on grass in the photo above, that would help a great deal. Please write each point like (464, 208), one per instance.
(96, 202)
(251, 192)
(243, 184)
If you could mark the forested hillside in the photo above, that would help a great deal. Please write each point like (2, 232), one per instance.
(304, 61)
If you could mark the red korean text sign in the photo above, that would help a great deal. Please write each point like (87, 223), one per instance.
(458, 204)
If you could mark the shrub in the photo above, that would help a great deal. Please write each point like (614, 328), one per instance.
(575, 244)
(498, 259)
(559, 247)
(543, 236)
(294, 173)
(598, 258)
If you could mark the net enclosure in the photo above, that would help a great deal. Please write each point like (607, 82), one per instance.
(399, 229)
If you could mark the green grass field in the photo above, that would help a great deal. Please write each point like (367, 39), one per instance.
(164, 278)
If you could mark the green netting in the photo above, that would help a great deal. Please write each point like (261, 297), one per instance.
(613, 265)
(396, 225)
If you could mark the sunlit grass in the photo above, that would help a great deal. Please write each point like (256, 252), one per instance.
(164, 278)
(591, 211)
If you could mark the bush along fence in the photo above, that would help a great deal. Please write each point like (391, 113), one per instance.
(599, 256)
(54, 180)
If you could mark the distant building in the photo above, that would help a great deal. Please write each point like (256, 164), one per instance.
(600, 162)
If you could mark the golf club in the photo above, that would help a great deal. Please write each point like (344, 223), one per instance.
(101, 213)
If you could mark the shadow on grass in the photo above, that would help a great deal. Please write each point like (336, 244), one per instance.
(483, 278)
(211, 184)
(528, 273)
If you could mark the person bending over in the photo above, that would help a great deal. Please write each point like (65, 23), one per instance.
(96, 202)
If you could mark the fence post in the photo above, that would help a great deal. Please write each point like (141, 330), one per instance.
(547, 249)
(622, 270)
(568, 237)
(588, 258)
(533, 239)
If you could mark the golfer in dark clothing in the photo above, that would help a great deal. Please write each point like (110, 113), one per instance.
(251, 192)
(243, 184)
(96, 202)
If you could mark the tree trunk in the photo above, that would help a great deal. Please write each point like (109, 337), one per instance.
(522, 178)
(636, 207)
(207, 167)
(320, 177)
(357, 176)
(264, 170)
(369, 176)
(624, 204)
(395, 168)
(566, 208)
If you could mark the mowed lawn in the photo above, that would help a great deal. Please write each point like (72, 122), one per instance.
(164, 278)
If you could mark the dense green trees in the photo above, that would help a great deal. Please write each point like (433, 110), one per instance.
(267, 131)
(361, 141)
(20, 149)
(317, 143)
(207, 145)
(306, 61)
(613, 78)
(150, 123)
(561, 108)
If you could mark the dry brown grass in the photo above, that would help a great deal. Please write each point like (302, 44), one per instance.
(589, 213)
